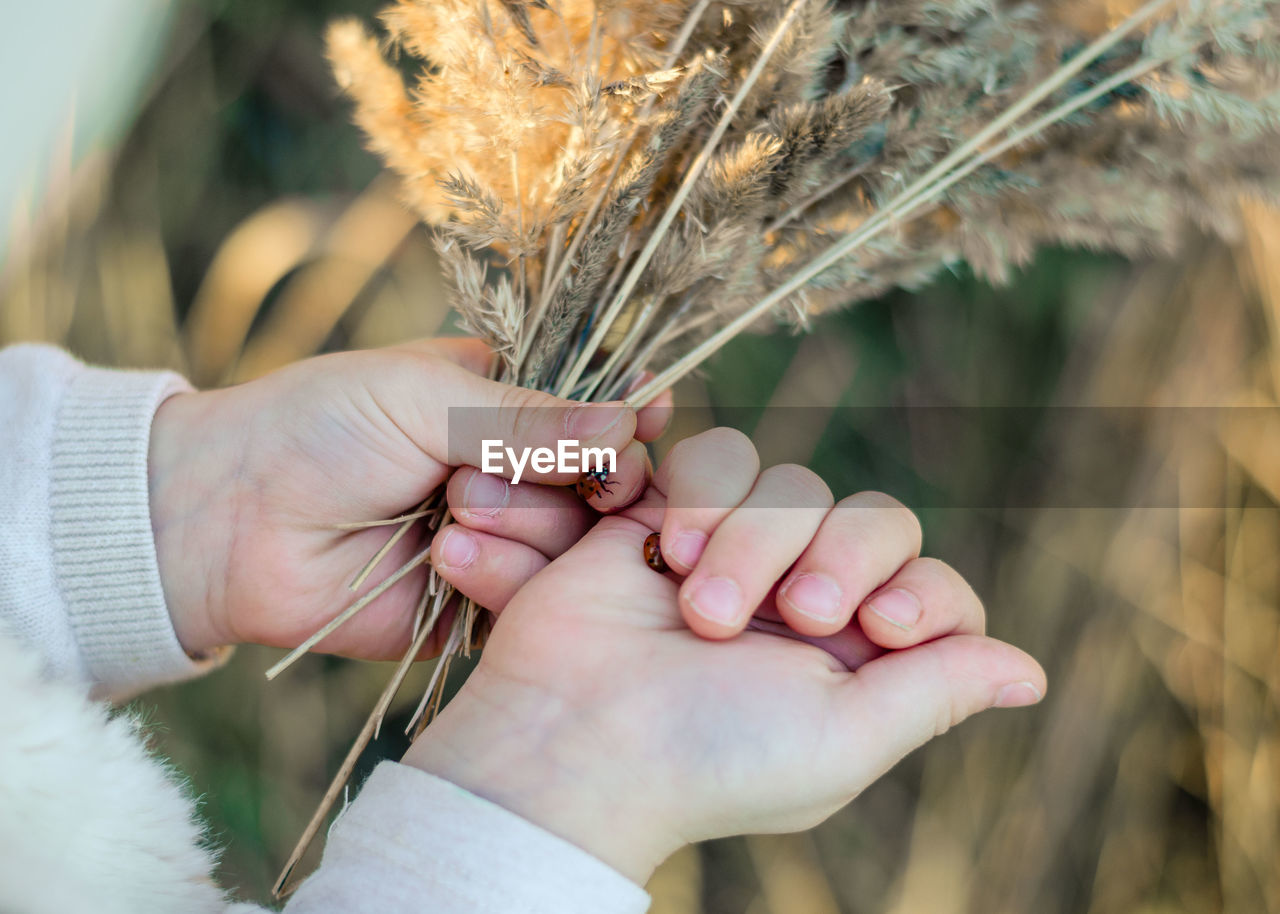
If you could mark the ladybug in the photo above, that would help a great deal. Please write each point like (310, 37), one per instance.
(594, 483)
(653, 552)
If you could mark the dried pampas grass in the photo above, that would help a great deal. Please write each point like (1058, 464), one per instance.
(623, 187)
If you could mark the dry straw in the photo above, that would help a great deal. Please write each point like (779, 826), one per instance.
(620, 187)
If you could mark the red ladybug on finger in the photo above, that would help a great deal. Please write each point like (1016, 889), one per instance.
(593, 484)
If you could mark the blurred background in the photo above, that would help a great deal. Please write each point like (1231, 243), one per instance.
(197, 200)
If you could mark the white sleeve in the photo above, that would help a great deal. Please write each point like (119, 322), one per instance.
(411, 841)
(80, 587)
(79, 580)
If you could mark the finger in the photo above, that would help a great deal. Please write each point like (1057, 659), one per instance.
(548, 518)
(630, 586)
(531, 436)
(649, 510)
(469, 352)
(450, 412)
(704, 478)
(653, 418)
(752, 548)
(926, 599)
(847, 649)
(624, 485)
(862, 542)
(899, 701)
(489, 569)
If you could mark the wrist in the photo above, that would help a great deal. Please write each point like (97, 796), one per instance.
(535, 765)
(189, 492)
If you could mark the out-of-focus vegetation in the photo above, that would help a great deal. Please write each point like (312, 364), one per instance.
(240, 226)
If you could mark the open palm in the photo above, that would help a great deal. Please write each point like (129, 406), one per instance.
(593, 673)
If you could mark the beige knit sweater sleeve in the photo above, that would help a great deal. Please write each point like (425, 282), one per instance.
(80, 595)
(79, 580)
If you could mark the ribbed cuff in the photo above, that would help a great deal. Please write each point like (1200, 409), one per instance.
(103, 548)
(414, 842)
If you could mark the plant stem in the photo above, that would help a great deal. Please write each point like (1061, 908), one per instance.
(927, 187)
(562, 268)
(371, 726)
(366, 524)
(406, 521)
(633, 334)
(442, 666)
(293, 656)
(681, 194)
(829, 188)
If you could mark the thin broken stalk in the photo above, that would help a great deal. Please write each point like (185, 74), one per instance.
(371, 726)
(337, 621)
(406, 522)
(366, 524)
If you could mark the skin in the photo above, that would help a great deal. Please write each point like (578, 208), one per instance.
(605, 695)
(248, 485)
(796, 651)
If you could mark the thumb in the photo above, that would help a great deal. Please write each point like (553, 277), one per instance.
(899, 701)
(500, 428)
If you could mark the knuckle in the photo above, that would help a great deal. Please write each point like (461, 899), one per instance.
(891, 511)
(802, 483)
(678, 451)
(935, 574)
(525, 413)
(726, 444)
(938, 583)
(950, 711)
(416, 365)
(455, 489)
(948, 714)
(710, 453)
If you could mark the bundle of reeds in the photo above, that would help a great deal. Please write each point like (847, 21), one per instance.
(621, 188)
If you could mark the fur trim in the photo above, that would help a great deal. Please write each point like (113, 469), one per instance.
(89, 820)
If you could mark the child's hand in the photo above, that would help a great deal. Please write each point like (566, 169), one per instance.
(249, 484)
(598, 715)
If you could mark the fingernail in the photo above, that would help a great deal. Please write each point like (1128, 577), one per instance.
(458, 549)
(593, 420)
(814, 595)
(687, 547)
(899, 608)
(718, 600)
(485, 494)
(1017, 695)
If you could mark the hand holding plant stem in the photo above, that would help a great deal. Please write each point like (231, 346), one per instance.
(254, 488)
(597, 220)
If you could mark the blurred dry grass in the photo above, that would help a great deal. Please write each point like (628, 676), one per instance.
(1148, 782)
(285, 281)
